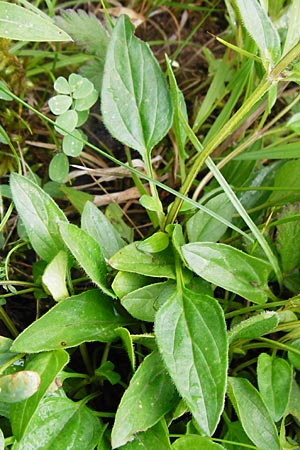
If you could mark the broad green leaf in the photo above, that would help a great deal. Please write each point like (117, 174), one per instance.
(86, 317)
(2, 440)
(260, 27)
(126, 282)
(47, 365)
(54, 277)
(136, 103)
(60, 104)
(88, 254)
(94, 222)
(294, 400)
(60, 424)
(288, 178)
(253, 414)
(114, 213)
(156, 243)
(131, 259)
(156, 438)
(287, 238)
(72, 144)
(274, 376)
(230, 269)
(40, 216)
(190, 442)
(236, 434)
(18, 386)
(294, 358)
(59, 168)
(191, 335)
(22, 24)
(144, 303)
(205, 228)
(150, 395)
(254, 327)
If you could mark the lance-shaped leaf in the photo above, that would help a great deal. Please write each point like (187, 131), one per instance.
(191, 334)
(88, 254)
(40, 216)
(86, 317)
(151, 394)
(131, 259)
(230, 269)
(254, 327)
(274, 376)
(136, 103)
(24, 25)
(47, 365)
(261, 29)
(60, 423)
(253, 414)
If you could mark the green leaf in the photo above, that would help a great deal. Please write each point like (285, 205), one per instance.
(136, 103)
(130, 259)
(47, 365)
(94, 222)
(54, 277)
(59, 104)
(106, 370)
(86, 317)
(40, 216)
(66, 122)
(86, 30)
(254, 327)
(126, 282)
(261, 29)
(18, 386)
(156, 243)
(274, 376)
(293, 31)
(205, 228)
(59, 168)
(62, 86)
(190, 442)
(150, 395)
(236, 434)
(83, 87)
(288, 178)
(144, 303)
(2, 441)
(156, 438)
(85, 103)
(253, 414)
(60, 423)
(229, 268)
(72, 144)
(88, 254)
(126, 337)
(191, 335)
(21, 24)
(288, 237)
(294, 358)
(76, 197)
